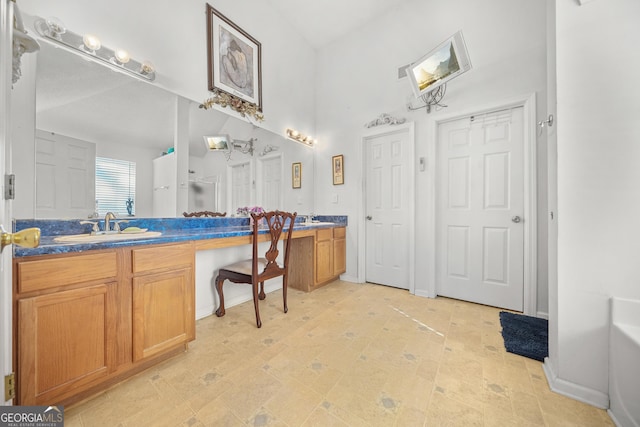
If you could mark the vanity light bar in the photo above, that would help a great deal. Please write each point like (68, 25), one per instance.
(89, 45)
(298, 137)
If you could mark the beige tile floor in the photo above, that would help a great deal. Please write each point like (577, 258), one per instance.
(344, 355)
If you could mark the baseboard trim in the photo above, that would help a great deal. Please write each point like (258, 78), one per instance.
(574, 391)
(542, 315)
(349, 278)
(614, 419)
(203, 312)
(422, 293)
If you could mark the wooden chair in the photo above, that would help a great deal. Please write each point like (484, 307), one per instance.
(256, 270)
(203, 213)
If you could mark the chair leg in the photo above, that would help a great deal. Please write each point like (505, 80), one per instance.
(262, 295)
(255, 304)
(284, 292)
(219, 282)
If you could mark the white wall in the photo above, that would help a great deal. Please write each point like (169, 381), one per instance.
(598, 63)
(357, 82)
(173, 37)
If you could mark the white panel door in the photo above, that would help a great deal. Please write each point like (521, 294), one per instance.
(480, 209)
(65, 176)
(165, 196)
(387, 209)
(270, 183)
(240, 183)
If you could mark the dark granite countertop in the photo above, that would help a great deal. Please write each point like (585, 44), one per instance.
(173, 230)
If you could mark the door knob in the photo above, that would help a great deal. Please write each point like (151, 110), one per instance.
(515, 219)
(369, 217)
(27, 238)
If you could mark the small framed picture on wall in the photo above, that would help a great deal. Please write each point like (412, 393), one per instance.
(296, 175)
(338, 169)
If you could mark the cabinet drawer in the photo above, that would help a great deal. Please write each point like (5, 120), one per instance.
(52, 273)
(162, 257)
(324, 234)
(339, 233)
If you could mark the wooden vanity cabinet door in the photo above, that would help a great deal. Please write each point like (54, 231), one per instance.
(66, 341)
(339, 251)
(324, 255)
(163, 298)
(163, 315)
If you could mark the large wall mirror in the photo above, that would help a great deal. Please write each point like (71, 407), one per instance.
(86, 111)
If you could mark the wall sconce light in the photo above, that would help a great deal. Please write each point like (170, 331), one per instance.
(53, 29)
(298, 137)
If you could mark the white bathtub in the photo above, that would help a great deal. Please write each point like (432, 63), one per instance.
(624, 362)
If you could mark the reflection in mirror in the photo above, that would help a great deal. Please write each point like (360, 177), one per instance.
(86, 110)
(80, 103)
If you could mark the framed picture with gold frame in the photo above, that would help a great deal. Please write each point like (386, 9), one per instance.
(338, 169)
(296, 175)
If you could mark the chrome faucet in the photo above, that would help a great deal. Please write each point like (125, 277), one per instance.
(107, 221)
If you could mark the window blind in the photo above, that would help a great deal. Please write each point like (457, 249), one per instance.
(115, 184)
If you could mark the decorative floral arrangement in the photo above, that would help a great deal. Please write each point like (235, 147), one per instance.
(225, 100)
(247, 210)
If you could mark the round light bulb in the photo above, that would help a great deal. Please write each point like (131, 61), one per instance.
(147, 67)
(56, 27)
(122, 56)
(91, 42)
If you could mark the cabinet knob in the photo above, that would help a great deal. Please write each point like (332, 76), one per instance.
(369, 217)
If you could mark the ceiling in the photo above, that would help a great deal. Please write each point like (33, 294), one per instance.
(325, 21)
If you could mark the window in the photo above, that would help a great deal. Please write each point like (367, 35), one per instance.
(115, 186)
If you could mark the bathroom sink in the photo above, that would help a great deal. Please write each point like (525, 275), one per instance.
(92, 238)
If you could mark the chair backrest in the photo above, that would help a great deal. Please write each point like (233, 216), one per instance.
(276, 222)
